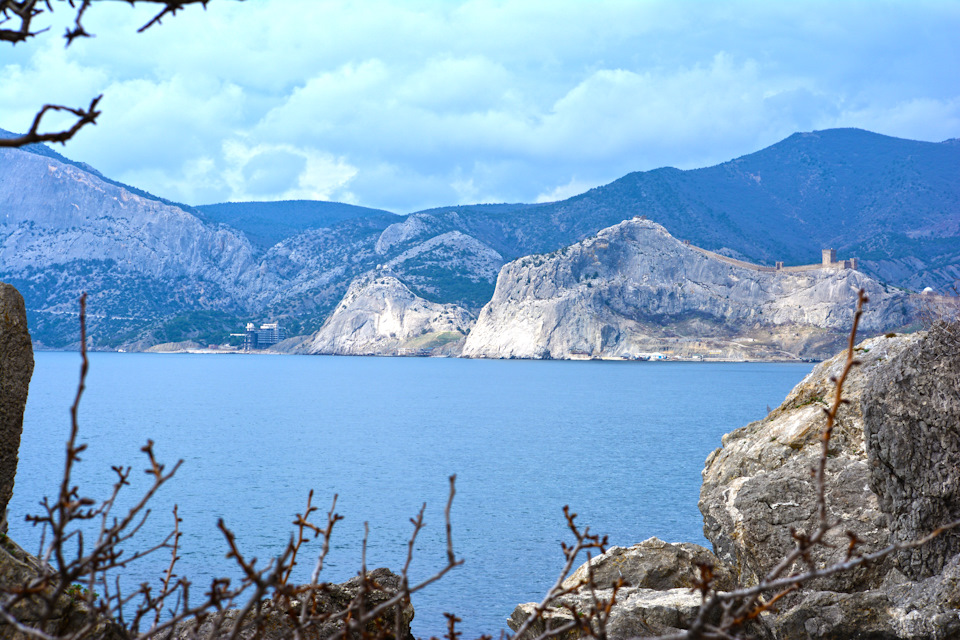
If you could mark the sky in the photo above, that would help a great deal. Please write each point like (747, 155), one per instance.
(406, 105)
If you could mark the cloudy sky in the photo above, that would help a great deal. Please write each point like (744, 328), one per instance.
(405, 105)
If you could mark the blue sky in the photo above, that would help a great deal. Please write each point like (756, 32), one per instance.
(408, 105)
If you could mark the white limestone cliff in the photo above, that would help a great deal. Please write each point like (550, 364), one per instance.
(634, 289)
(380, 315)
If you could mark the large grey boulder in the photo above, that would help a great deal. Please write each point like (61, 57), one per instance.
(924, 610)
(651, 564)
(758, 487)
(16, 368)
(911, 413)
(893, 475)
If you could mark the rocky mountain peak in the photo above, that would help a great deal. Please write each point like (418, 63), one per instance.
(633, 288)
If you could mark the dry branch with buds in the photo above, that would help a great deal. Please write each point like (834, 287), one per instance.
(17, 25)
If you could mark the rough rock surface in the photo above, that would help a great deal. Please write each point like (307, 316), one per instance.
(892, 476)
(277, 624)
(912, 425)
(70, 613)
(900, 610)
(633, 289)
(658, 598)
(651, 564)
(16, 368)
(758, 485)
(380, 315)
(638, 613)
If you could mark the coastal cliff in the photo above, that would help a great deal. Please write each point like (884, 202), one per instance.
(633, 289)
(379, 315)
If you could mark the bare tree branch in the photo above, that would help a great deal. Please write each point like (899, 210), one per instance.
(84, 117)
(22, 13)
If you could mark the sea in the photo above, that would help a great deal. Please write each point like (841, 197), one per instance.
(621, 443)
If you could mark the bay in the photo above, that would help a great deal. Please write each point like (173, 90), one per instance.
(622, 443)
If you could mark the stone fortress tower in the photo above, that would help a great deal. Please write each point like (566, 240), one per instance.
(830, 261)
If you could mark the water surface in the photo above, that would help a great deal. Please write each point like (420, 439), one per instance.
(622, 443)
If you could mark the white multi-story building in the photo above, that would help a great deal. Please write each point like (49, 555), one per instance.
(268, 334)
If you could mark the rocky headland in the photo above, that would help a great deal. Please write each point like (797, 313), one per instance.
(379, 315)
(633, 289)
(891, 478)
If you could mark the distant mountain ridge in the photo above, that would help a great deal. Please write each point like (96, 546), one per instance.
(161, 271)
(267, 223)
(882, 199)
(47, 152)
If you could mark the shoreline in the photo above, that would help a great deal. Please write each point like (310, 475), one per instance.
(616, 359)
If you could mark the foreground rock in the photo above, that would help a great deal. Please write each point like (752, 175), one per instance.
(16, 368)
(65, 615)
(277, 618)
(71, 616)
(758, 485)
(634, 289)
(379, 315)
(892, 477)
(911, 413)
(658, 596)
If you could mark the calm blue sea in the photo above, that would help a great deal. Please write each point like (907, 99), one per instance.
(622, 443)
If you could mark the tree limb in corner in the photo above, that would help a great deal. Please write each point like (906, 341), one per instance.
(19, 15)
(84, 117)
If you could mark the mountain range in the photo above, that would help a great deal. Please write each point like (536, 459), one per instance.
(159, 271)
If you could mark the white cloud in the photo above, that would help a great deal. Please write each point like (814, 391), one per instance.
(406, 105)
(564, 191)
(921, 118)
(283, 172)
(147, 123)
(48, 76)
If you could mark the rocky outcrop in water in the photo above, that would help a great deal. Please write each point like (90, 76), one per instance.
(634, 289)
(379, 315)
(16, 368)
(892, 477)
